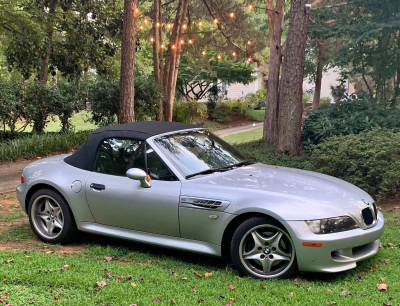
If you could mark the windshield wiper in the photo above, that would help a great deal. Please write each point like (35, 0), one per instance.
(209, 171)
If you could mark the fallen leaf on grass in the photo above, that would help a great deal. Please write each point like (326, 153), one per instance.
(101, 284)
(232, 298)
(207, 274)
(31, 302)
(10, 260)
(197, 274)
(129, 277)
(148, 262)
(386, 261)
(108, 274)
(174, 274)
(194, 288)
(57, 299)
(64, 268)
(390, 244)
(3, 297)
(232, 287)
(49, 252)
(107, 258)
(262, 286)
(329, 291)
(291, 294)
(384, 304)
(332, 303)
(200, 300)
(133, 305)
(382, 287)
(141, 279)
(156, 299)
(133, 284)
(363, 294)
(119, 278)
(344, 292)
(383, 279)
(296, 282)
(172, 302)
(230, 304)
(184, 278)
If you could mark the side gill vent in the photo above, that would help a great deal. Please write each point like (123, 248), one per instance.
(207, 204)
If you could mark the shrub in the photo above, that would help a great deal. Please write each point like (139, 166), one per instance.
(238, 106)
(190, 112)
(221, 113)
(348, 118)
(369, 160)
(41, 144)
(11, 104)
(148, 94)
(257, 100)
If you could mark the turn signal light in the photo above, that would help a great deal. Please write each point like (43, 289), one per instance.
(312, 244)
(22, 179)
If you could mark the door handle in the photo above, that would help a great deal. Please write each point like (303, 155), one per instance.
(97, 186)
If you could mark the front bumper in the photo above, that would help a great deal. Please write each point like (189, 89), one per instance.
(339, 251)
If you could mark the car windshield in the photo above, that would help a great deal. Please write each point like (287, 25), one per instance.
(199, 152)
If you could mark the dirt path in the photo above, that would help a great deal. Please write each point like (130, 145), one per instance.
(238, 129)
(10, 174)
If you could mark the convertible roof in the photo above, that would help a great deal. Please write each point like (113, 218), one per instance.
(85, 156)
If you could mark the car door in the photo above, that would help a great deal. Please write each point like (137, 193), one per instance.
(119, 201)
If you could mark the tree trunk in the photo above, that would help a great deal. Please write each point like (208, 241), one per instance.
(43, 76)
(172, 60)
(275, 20)
(85, 75)
(291, 87)
(320, 70)
(127, 91)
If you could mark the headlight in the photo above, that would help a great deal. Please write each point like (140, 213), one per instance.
(332, 225)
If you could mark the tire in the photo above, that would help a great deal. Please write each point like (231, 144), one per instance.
(261, 248)
(50, 217)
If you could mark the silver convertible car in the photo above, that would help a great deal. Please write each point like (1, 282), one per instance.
(179, 186)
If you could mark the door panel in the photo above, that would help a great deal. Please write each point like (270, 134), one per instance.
(124, 203)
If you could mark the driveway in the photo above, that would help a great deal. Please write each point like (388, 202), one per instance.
(238, 129)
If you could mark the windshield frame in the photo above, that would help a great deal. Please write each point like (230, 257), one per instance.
(170, 161)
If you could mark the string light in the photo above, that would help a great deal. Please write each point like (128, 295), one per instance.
(190, 41)
(184, 26)
(219, 56)
(157, 24)
(169, 26)
(136, 10)
(146, 21)
(249, 42)
(204, 52)
(215, 20)
(162, 46)
(152, 39)
(232, 15)
(141, 28)
(173, 46)
(200, 24)
(249, 59)
(250, 7)
(182, 41)
(234, 54)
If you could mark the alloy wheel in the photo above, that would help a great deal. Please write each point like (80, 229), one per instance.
(47, 216)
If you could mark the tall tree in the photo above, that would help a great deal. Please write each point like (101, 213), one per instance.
(127, 91)
(321, 58)
(275, 21)
(291, 87)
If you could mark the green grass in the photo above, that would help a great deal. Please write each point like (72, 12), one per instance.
(78, 120)
(244, 137)
(41, 144)
(257, 115)
(29, 278)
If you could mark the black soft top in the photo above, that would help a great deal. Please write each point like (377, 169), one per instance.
(85, 156)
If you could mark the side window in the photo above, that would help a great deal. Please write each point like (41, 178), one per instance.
(117, 155)
(156, 167)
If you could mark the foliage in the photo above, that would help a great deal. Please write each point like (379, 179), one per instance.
(11, 104)
(325, 101)
(238, 106)
(258, 99)
(348, 118)
(369, 160)
(147, 96)
(41, 144)
(190, 112)
(257, 115)
(221, 113)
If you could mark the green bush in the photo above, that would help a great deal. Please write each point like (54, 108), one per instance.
(11, 104)
(348, 118)
(258, 99)
(190, 112)
(41, 144)
(221, 113)
(369, 160)
(238, 106)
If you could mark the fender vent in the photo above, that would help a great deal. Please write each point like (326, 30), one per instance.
(204, 203)
(207, 204)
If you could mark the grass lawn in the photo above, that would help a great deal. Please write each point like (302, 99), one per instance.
(155, 276)
(257, 115)
(244, 137)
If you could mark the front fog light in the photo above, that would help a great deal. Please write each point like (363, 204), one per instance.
(332, 225)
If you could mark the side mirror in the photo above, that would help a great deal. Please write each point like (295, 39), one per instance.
(138, 175)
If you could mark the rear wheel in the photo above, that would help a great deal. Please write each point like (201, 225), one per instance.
(51, 217)
(261, 248)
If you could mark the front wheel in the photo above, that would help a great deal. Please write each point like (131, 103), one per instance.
(261, 248)
(51, 217)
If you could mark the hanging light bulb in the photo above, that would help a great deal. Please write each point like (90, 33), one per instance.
(190, 41)
(219, 56)
(182, 41)
(152, 39)
(146, 21)
(162, 46)
(136, 10)
(173, 46)
(250, 59)
(141, 28)
(232, 15)
(157, 24)
(203, 52)
(184, 26)
(200, 23)
(234, 54)
(249, 42)
(250, 7)
(215, 20)
(169, 26)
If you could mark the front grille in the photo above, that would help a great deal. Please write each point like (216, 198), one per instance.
(367, 216)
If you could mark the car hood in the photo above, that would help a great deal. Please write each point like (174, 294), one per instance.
(284, 188)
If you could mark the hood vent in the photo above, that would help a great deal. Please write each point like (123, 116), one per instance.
(204, 203)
